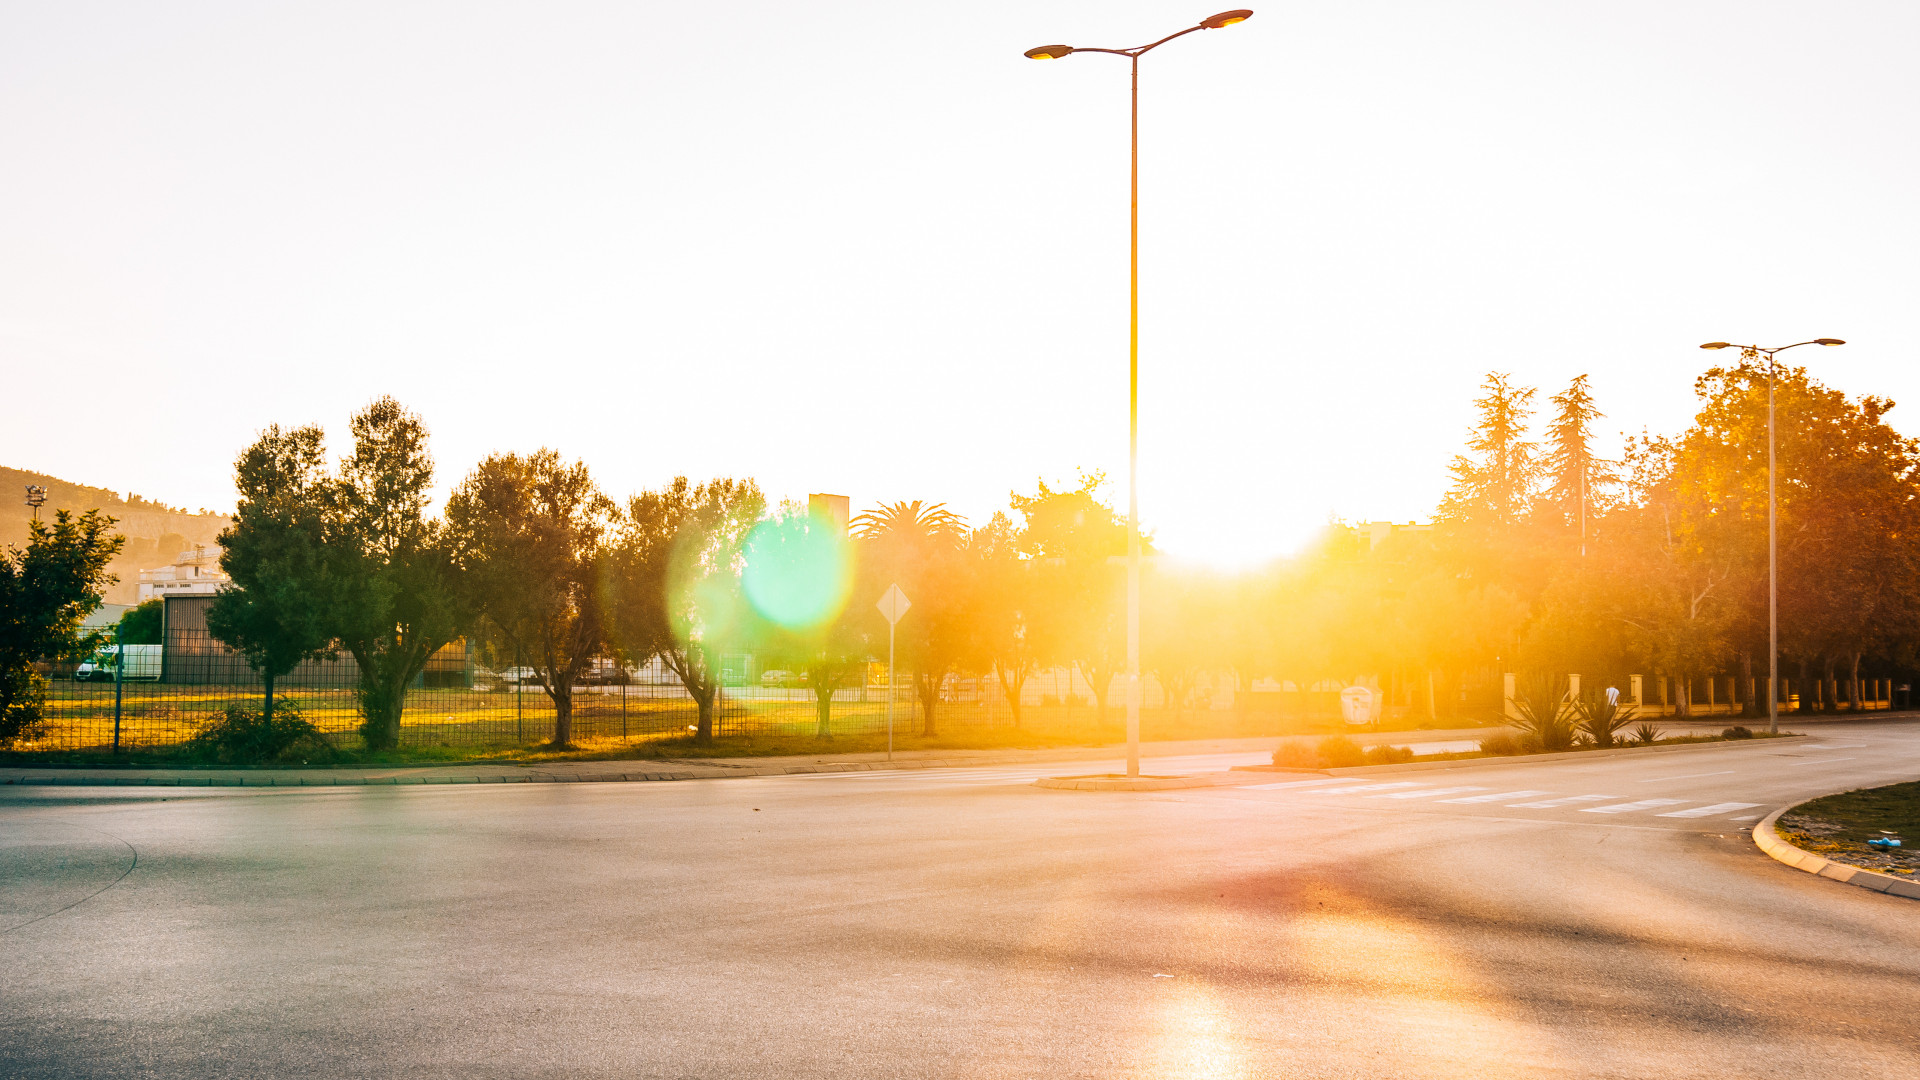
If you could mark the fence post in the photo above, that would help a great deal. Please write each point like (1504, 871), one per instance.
(119, 674)
(623, 704)
(519, 681)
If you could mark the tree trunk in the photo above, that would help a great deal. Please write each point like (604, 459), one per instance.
(1747, 692)
(1853, 685)
(562, 712)
(703, 728)
(1011, 685)
(1806, 678)
(823, 710)
(1433, 706)
(927, 688)
(266, 712)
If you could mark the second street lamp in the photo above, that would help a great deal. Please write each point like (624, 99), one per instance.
(1754, 353)
(1056, 52)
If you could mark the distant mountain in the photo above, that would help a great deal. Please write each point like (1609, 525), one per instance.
(156, 533)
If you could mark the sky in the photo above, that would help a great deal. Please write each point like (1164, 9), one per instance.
(872, 250)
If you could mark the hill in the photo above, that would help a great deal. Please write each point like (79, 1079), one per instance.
(156, 533)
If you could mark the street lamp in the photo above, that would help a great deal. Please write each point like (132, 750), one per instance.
(36, 495)
(1055, 52)
(1754, 353)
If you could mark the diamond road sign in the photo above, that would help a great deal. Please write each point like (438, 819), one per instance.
(894, 604)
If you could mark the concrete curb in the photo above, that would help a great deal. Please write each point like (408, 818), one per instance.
(1801, 859)
(1569, 755)
(1147, 783)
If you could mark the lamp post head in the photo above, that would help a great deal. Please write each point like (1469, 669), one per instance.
(1049, 52)
(1716, 345)
(1828, 341)
(1226, 18)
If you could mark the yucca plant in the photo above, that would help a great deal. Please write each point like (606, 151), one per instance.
(1646, 734)
(1601, 719)
(1546, 716)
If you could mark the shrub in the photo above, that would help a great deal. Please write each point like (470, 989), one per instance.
(1339, 752)
(1646, 734)
(244, 737)
(1545, 715)
(1601, 719)
(1295, 755)
(1388, 755)
(1502, 743)
(1736, 732)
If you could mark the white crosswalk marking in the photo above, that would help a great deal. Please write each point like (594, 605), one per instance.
(1292, 784)
(1631, 807)
(1547, 804)
(1369, 787)
(1496, 797)
(1709, 811)
(1428, 794)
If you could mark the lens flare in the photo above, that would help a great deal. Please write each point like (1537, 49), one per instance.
(798, 572)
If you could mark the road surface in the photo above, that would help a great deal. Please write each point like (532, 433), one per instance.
(1602, 918)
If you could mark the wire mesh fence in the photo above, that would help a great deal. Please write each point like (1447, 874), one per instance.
(146, 696)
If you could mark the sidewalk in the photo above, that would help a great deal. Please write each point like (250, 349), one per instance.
(642, 769)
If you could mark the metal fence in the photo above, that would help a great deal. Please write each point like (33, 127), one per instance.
(456, 702)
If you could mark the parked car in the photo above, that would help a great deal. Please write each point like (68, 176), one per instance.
(143, 663)
(514, 676)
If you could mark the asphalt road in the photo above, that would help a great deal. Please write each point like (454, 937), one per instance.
(1604, 918)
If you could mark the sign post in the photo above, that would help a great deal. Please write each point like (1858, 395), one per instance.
(893, 605)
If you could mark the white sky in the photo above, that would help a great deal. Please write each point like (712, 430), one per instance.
(870, 249)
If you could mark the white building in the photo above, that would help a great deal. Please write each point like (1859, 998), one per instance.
(195, 573)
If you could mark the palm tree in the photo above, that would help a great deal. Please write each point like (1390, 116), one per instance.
(911, 521)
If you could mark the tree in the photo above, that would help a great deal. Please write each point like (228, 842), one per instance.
(401, 603)
(1011, 640)
(1076, 541)
(142, 625)
(797, 574)
(45, 591)
(922, 548)
(286, 582)
(676, 585)
(1578, 482)
(531, 536)
(1495, 487)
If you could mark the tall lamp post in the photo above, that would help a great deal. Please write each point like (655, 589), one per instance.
(1754, 353)
(1055, 52)
(36, 495)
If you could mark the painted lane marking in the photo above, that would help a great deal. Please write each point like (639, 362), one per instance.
(1498, 797)
(1367, 787)
(1823, 761)
(1688, 776)
(1427, 794)
(1632, 807)
(1747, 817)
(1292, 784)
(1838, 746)
(1708, 811)
(1550, 803)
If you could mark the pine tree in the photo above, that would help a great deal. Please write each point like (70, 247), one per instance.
(1578, 482)
(1495, 487)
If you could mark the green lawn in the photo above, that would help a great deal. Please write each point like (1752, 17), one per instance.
(1839, 826)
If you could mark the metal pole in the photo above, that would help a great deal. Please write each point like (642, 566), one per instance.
(119, 675)
(1773, 595)
(1133, 448)
(889, 691)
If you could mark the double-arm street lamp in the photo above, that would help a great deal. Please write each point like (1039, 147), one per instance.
(1055, 52)
(1753, 353)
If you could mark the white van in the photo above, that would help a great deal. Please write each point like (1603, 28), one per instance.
(143, 663)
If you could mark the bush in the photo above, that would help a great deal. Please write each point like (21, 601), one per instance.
(1546, 717)
(1339, 752)
(1736, 732)
(1601, 720)
(1295, 755)
(1646, 734)
(1388, 755)
(1502, 743)
(244, 737)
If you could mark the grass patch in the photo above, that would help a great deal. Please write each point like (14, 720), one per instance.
(1838, 827)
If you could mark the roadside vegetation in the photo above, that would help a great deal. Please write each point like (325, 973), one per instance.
(1841, 827)
(1543, 558)
(1341, 752)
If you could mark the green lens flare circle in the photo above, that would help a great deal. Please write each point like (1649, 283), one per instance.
(797, 573)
